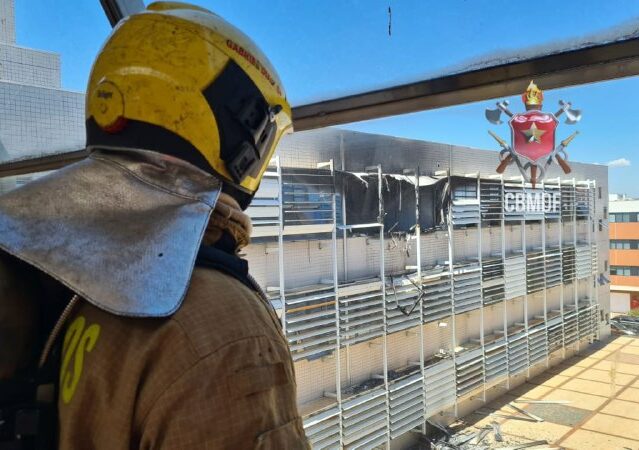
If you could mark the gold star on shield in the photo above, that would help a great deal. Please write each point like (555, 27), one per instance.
(534, 133)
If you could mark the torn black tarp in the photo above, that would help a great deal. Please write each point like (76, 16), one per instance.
(360, 191)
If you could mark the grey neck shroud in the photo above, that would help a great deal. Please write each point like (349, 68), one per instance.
(121, 228)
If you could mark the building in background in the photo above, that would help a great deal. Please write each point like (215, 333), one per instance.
(624, 254)
(409, 291)
(36, 116)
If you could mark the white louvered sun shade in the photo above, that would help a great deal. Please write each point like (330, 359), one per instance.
(493, 281)
(467, 294)
(437, 290)
(439, 379)
(584, 199)
(555, 331)
(583, 261)
(469, 369)
(491, 201)
(571, 332)
(406, 400)
(496, 358)
(535, 271)
(517, 350)
(568, 207)
(265, 207)
(568, 263)
(515, 276)
(323, 429)
(307, 200)
(361, 311)
(465, 209)
(310, 321)
(537, 341)
(553, 267)
(586, 313)
(364, 419)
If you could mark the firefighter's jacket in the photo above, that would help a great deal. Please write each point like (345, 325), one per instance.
(214, 373)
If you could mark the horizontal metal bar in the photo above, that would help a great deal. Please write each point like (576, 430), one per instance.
(116, 10)
(567, 68)
(41, 163)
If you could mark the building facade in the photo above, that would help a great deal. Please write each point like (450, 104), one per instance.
(624, 254)
(409, 290)
(37, 117)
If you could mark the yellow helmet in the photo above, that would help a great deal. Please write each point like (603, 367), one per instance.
(178, 79)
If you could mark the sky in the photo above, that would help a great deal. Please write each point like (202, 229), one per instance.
(324, 49)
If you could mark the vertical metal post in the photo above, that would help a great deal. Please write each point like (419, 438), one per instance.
(481, 286)
(574, 239)
(280, 241)
(347, 349)
(543, 249)
(525, 250)
(418, 238)
(591, 224)
(563, 283)
(382, 274)
(344, 230)
(503, 260)
(451, 268)
(595, 286)
(338, 362)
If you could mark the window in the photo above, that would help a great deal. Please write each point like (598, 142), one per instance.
(606, 265)
(623, 217)
(605, 211)
(599, 190)
(624, 271)
(624, 244)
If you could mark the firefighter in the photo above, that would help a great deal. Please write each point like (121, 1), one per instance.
(125, 309)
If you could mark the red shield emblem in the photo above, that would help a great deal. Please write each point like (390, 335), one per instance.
(533, 134)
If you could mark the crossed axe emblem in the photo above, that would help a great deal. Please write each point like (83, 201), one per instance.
(536, 169)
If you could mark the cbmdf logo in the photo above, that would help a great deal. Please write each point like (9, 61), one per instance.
(533, 136)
